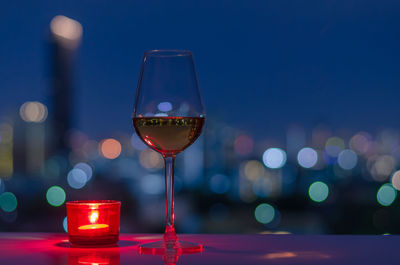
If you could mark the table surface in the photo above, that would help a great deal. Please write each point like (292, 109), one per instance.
(54, 249)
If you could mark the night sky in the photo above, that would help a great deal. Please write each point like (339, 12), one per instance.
(262, 65)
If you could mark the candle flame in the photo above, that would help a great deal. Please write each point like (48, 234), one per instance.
(94, 216)
(93, 227)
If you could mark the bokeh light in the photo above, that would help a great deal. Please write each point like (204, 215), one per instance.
(6, 133)
(85, 168)
(220, 183)
(396, 180)
(8, 202)
(318, 191)
(76, 178)
(347, 159)
(33, 111)
(386, 195)
(243, 145)
(360, 142)
(274, 158)
(334, 146)
(110, 148)
(253, 169)
(67, 30)
(307, 157)
(382, 167)
(150, 159)
(264, 213)
(55, 196)
(164, 106)
(65, 224)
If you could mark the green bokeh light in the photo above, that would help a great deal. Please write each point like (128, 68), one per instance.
(318, 191)
(264, 213)
(386, 195)
(55, 196)
(8, 202)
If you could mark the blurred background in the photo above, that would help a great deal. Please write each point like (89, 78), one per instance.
(302, 132)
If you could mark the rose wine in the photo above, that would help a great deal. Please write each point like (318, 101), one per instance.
(168, 135)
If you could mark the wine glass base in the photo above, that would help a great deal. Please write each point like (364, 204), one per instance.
(164, 248)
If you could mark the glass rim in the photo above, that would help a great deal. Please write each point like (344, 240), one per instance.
(93, 202)
(167, 53)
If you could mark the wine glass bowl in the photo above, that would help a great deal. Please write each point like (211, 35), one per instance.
(168, 116)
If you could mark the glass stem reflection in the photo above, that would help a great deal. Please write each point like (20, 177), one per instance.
(170, 235)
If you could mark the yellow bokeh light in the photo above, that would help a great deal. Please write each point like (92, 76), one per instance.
(110, 148)
(336, 141)
(33, 111)
(6, 133)
(253, 170)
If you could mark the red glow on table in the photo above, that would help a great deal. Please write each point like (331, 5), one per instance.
(93, 222)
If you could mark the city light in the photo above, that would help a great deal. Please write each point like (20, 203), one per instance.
(318, 191)
(65, 224)
(164, 106)
(6, 150)
(307, 157)
(396, 180)
(85, 168)
(253, 170)
(382, 167)
(8, 202)
(76, 178)
(274, 158)
(150, 159)
(55, 196)
(360, 142)
(347, 159)
(386, 195)
(334, 145)
(243, 145)
(110, 148)
(264, 213)
(67, 30)
(33, 111)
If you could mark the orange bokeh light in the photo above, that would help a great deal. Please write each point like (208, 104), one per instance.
(110, 148)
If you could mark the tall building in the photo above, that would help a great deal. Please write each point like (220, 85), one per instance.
(66, 35)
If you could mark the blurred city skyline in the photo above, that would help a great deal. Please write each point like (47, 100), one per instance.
(301, 102)
(262, 66)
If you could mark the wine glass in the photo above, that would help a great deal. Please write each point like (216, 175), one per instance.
(168, 116)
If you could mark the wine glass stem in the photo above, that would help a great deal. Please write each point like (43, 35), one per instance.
(170, 235)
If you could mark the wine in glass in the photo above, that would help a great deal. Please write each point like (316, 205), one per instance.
(168, 116)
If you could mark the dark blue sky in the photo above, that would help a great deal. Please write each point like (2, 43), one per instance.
(262, 64)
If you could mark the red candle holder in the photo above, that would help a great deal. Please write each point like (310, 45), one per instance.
(93, 222)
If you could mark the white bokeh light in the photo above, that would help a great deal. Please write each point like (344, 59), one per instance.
(307, 157)
(77, 178)
(347, 159)
(274, 158)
